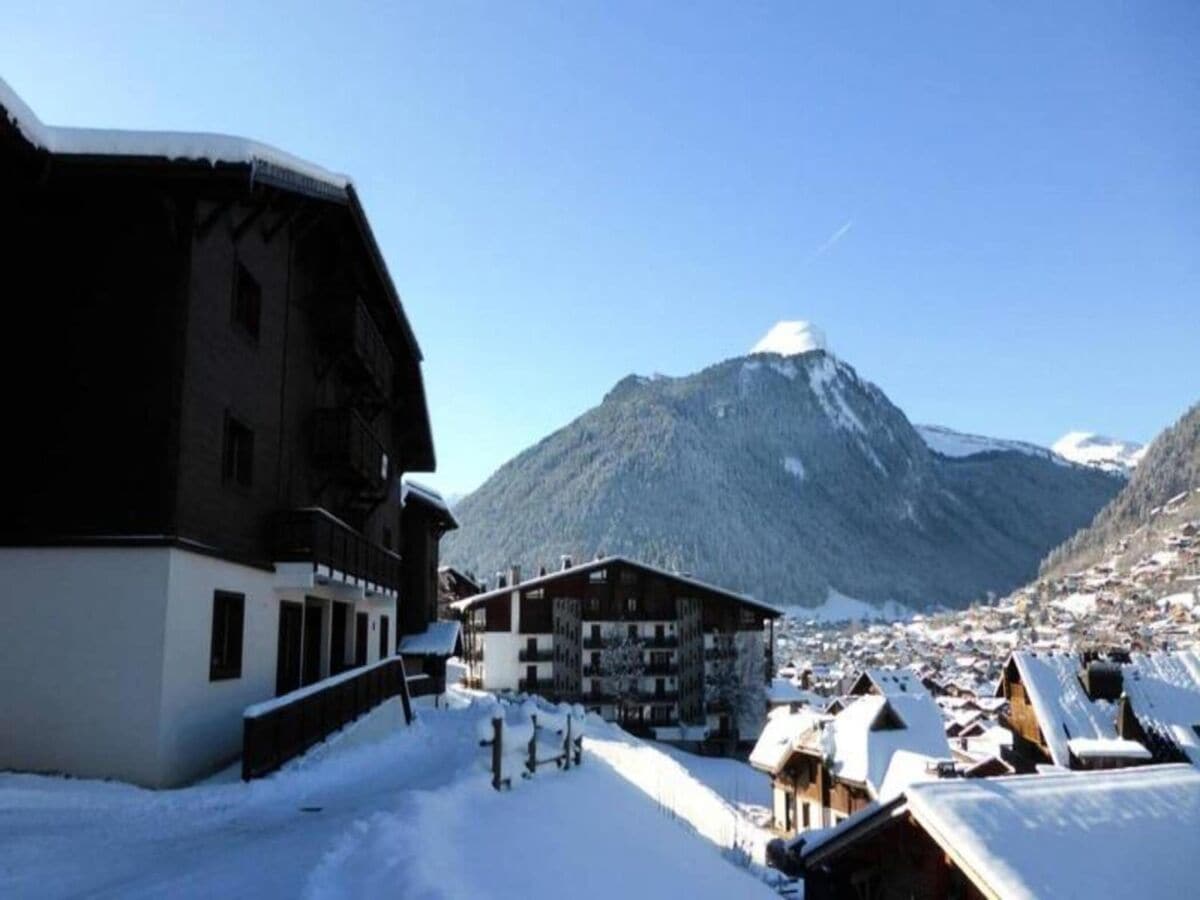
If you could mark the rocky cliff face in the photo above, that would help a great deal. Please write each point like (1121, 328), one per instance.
(787, 477)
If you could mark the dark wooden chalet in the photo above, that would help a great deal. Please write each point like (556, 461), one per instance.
(207, 357)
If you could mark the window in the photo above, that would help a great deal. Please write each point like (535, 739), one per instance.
(598, 575)
(247, 302)
(632, 604)
(228, 613)
(237, 456)
(633, 632)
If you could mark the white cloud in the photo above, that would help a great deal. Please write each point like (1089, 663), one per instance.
(791, 338)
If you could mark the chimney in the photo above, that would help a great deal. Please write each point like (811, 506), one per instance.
(514, 575)
(500, 580)
(565, 562)
(541, 571)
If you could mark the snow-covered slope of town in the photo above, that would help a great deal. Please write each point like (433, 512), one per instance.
(383, 810)
(1098, 451)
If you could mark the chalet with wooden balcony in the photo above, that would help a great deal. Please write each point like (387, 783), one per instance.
(826, 767)
(219, 394)
(1088, 712)
(556, 635)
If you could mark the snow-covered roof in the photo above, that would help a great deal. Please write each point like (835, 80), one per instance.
(893, 682)
(783, 729)
(1064, 710)
(784, 690)
(1107, 748)
(1164, 691)
(767, 608)
(1125, 833)
(427, 495)
(438, 639)
(863, 738)
(169, 145)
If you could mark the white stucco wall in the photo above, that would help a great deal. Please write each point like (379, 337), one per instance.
(82, 658)
(105, 671)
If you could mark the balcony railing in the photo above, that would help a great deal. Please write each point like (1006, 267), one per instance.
(661, 669)
(540, 655)
(344, 442)
(655, 643)
(314, 536)
(658, 696)
(371, 351)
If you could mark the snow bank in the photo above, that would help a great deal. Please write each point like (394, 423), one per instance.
(1089, 449)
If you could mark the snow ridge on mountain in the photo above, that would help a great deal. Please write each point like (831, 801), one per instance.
(1110, 454)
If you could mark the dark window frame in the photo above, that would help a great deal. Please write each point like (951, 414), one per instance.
(246, 306)
(228, 635)
(237, 453)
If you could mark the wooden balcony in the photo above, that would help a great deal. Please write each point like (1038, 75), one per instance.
(347, 447)
(314, 536)
(361, 349)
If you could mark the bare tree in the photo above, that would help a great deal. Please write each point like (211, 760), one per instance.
(621, 668)
(736, 680)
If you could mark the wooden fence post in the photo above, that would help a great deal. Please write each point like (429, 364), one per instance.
(497, 752)
(531, 763)
(567, 745)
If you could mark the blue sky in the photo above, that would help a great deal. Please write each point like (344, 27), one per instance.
(992, 209)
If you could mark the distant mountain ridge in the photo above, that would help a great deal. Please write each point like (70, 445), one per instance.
(786, 477)
(1168, 470)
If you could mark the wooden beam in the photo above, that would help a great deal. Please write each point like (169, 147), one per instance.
(214, 215)
(243, 226)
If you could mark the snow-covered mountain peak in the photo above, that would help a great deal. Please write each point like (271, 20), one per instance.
(791, 338)
(1099, 451)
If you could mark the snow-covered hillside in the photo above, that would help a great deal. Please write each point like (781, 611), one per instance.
(387, 810)
(1098, 451)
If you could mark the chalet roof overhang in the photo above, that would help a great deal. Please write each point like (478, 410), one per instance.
(705, 589)
(31, 146)
(846, 834)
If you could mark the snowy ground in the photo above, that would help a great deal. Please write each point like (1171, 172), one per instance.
(389, 810)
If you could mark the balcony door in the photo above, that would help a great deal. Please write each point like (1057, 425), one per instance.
(312, 643)
(287, 660)
(337, 645)
(360, 639)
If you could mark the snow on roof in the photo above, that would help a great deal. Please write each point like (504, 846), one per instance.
(784, 690)
(791, 339)
(426, 495)
(169, 145)
(1107, 748)
(783, 729)
(1125, 833)
(1164, 691)
(891, 682)
(466, 603)
(438, 639)
(1064, 711)
(862, 739)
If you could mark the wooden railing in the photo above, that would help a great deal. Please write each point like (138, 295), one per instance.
(343, 441)
(281, 729)
(315, 536)
(371, 350)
